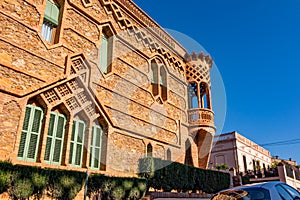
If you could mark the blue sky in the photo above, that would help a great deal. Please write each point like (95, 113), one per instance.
(256, 48)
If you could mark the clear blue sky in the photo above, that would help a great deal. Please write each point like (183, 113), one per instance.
(256, 47)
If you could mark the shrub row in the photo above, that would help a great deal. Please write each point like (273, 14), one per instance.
(116, 188)
(166, 175)
(22, 182)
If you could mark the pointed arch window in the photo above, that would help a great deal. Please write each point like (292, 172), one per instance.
(163, 83)
(95, 147)
(30, 137)
(51, 21)
(149, 150)
(188, 160)
(158, 79)
(55, 138)
(154, 78)
(77, 143)
(169, 156)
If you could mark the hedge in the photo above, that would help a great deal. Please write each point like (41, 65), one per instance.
(22, 182)
(166, 175)
(116, 188)
(25, 181)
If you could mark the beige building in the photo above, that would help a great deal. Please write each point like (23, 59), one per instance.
(239, 153)
(98, 84)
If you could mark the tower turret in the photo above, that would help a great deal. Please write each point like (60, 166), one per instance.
(200, 114)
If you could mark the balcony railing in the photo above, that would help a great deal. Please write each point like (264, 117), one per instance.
(200, 116)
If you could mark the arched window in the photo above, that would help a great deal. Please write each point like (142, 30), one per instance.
(188, 154)
(169, 156)
(158, 78)
(163, 83)
(95, 146)
(106, 50)
(154, 78)
(193, 95)
(55, 138)
(51, 21)
(31, 131)
(204, 96)
(149, 150)
(77, 143)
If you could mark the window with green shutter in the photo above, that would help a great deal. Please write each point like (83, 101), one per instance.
(55, 138)
(51, 13)
(104, 53)
(77, 142)
(95, 147)
(51, 20)
(31, 131)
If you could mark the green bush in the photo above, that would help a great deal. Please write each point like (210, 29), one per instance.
(4, 181)
(245, 180)
(112, 188)
(28, 181)
(167, 176)
(22, 189)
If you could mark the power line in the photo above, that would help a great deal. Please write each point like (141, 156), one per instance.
(283, 142)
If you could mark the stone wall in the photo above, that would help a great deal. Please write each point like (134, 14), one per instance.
(135, 117)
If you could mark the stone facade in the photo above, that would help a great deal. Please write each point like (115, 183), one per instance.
(64, 76)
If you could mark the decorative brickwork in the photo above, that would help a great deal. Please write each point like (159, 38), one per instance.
(65, 77)
(9, 120)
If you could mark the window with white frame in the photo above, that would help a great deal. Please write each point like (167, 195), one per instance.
(95, 147)
(106, 51)
(51, 20)
(29, 142)
(77, 143)
(55, 138)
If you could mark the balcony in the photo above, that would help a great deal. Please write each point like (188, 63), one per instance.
(200, 116)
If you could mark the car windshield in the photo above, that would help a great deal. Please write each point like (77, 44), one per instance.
(244, 194)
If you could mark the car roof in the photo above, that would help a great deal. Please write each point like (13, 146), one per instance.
(258, 185)
(271, 183)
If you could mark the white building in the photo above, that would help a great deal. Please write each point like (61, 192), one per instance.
(239, 153)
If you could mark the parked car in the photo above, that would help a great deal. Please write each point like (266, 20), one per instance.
(274, 190)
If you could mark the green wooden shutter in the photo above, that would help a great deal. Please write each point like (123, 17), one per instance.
(55, 138)
(30, 136)
(52, 13)
(104, 54)
(91, 147)
(24, 132)
(163, 77)
(152, 75)
(49, 137)
(77, 142)
(59, 138)
(35, 134)
(95, 147)
(72, 142)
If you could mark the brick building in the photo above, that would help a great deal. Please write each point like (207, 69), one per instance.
(98, 84)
